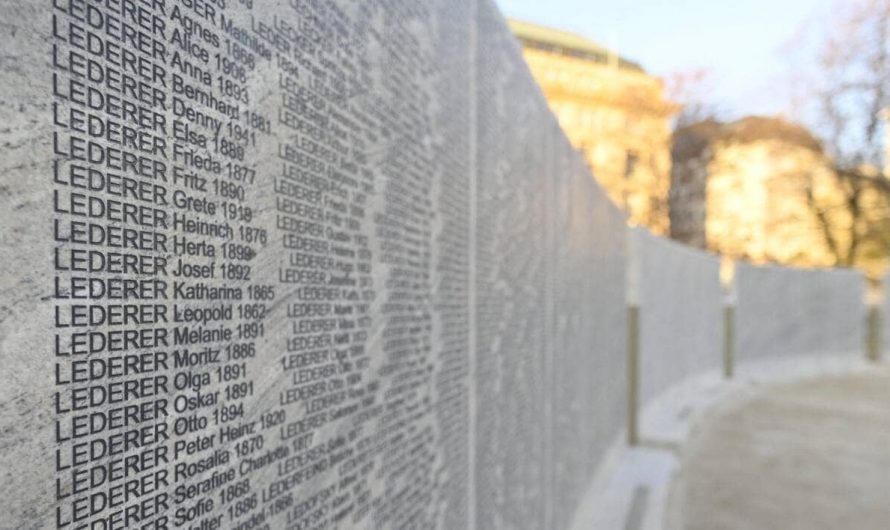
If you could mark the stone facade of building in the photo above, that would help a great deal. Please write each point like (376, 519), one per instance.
(763, 189)
(611, 110)
(760, 189)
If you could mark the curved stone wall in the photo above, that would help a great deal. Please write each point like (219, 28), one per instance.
(784, 312)
(295, 264)
(299, 264)
(681, 312)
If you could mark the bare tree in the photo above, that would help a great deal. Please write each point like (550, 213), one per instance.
(854, 89)
(691, 89)
(848, 101)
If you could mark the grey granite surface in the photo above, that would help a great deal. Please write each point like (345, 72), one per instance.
(785, 312)
(369, 283)
(445, 342)
(681, 312)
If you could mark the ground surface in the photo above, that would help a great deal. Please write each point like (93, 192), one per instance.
(813, 455)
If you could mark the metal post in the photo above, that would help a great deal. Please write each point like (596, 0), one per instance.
(633, 374)
(873, 339)
(728, 341)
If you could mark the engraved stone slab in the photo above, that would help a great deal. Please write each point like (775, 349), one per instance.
(295, 264)
(590, 360)
(512, 274)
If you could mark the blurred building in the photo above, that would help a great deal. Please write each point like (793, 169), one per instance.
(764, 190)
(612, 111)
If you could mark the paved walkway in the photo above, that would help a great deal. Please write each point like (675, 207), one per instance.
(811, 455)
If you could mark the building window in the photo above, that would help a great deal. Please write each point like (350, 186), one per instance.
(630, 163)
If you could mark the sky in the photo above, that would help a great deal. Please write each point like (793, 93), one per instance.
(744, 43)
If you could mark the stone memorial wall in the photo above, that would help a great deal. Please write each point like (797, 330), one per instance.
(589, 349)
(787, 312)
(296, 264)
(681, 311)
(300, 264)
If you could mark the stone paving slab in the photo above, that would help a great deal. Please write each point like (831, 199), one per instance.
(811, 455)
(644, 488)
